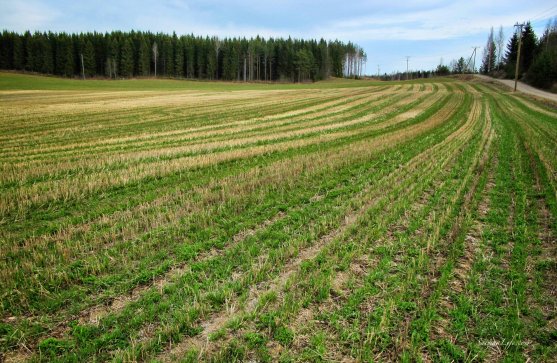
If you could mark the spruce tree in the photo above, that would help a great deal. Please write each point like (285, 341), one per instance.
(189, 56)
(64, 55)
(167, 57)
(5, 51)
(129, 54)
(178, 58)
(17, 49)
(47, 64)
(528, 48)
(510, 55)
(324, 59)
(111, 66)
(226, 66)
(144, 58)
(126, 59)
(543, 71)
(28, 51)
(200, 58)
(89, 58)
(211, 60)
(303, 64)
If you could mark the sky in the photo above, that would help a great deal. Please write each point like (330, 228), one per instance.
(428, 31)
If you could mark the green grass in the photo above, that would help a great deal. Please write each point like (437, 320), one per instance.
(18, 81)
(358, 220)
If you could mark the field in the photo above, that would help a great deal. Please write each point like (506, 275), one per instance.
(338, 221)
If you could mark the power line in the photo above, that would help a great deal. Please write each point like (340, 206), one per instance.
(542, 20)
(544, 12)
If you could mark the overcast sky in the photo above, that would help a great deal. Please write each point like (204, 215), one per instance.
(388, 30)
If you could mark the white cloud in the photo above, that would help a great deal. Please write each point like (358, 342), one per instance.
(446, 21)
(388, 30)
(27, 15)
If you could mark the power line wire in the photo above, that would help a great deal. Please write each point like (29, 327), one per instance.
(544, 12)
(543, 20)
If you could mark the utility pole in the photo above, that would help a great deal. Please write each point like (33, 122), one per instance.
(82, 67)
(407, 58)
(519, 30)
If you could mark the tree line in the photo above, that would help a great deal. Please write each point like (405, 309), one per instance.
(145, 54)
(538, 57)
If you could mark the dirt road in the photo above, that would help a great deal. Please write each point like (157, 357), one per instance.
(522, 87)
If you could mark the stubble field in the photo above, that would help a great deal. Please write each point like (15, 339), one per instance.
(339, 221)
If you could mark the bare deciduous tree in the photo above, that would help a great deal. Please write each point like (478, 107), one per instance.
(217, 43)
(500, 42)
(155, 53)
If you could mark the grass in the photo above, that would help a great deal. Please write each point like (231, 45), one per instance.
(165, 220)
(20, 81)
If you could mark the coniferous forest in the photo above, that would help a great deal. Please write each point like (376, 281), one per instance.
(538, 56)
(145, 54)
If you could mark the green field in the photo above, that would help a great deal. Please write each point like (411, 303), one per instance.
(161, 220)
